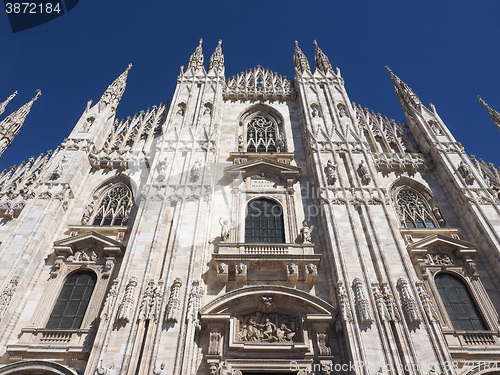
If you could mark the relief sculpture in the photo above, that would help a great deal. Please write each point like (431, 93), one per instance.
(259, 327)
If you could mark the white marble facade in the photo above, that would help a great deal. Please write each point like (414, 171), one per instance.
(371, 218)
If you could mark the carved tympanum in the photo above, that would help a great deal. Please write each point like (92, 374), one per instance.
(266, 328)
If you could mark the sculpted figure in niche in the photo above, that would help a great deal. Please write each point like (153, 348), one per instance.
(259, 327)
(311, 269)
(305, 232)
(161, 370)
(224, 230)
(222, 268)
(241, 143)
(195, 170)
(330, 172)
(241, 268)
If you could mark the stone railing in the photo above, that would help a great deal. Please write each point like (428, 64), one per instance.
(477, 338)
(52, 343)
(265, 249)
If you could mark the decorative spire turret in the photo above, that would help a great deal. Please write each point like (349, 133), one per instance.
(196, 59)
(217, 59)
(300, 60)
(114, 92)
(11, 125)
(4, 104)
(495, 116)
(404, 93)
(322, 62)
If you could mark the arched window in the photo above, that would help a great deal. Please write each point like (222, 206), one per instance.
(414, 209)
(458, 302)
(264, 222)
(261, 135)
(114, 207)
(72, 302)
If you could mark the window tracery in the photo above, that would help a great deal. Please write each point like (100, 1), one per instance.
(114, 207)
(261, 135)
(414, 209)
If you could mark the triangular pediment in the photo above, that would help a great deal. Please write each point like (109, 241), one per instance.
(72, 244)
(256, 166)
(442, 243)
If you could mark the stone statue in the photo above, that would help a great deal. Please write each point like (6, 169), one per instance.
(330, 169)
(161, 370)
(241, 143)
(195, 170)
(225, 230)
(305, 232)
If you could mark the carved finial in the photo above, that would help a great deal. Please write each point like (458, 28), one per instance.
(196, 59)
(217, 59)
(300, 60)
(11, 125)
(405, 94)
(495, 116)
(322, 62)
(114, 92)
(7, 101)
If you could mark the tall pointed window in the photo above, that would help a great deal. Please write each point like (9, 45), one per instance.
(73, 301)
(114, 207)
(414, 209)
(458, 302)
(261, 135)
(264, 222)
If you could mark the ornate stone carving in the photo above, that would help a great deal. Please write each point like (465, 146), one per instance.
(311, 269)
(7, 295)
(151, 301)
(439, 216)
(305, 232)
(128, 301)
(466, 173)
(384, 300)
(362, 302)
(161, 370)
(100, 370)
(322, 342)
(261, 327)
(225, 229)
(107, 308)
(322, 62)
(300, 60)
(363, 173)
(162, 170)
(241, 144)
(196, 171)
(214, 345)
(427, 303)
(330, 171)
(267, 302)
(174, 302)
(259, 83)
(241, 270)
(345, 313)
(438, 260)
(58, 171)
(213, 368)
(408, 301)
(194, 304)
(217, 59)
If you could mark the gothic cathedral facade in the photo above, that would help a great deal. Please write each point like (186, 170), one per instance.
(257, 225)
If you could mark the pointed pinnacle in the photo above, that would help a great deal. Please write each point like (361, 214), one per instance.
(196, 59)
(114, 92)
(7, 101)
(321, 60)
(494, 115)
(300, 60)
(217, 59)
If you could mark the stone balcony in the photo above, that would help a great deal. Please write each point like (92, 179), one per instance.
(471, 344)
(44, 343)
(243, 262)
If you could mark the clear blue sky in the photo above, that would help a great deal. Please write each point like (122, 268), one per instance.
(447, 51)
